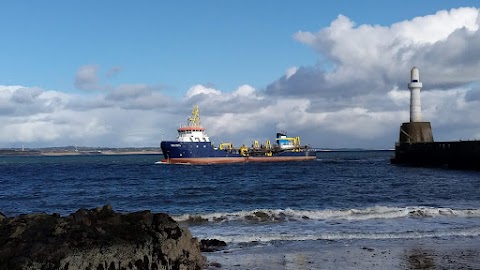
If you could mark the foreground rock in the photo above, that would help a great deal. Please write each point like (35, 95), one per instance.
(97, 239)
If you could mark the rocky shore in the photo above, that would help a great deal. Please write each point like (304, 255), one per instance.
(97, 239)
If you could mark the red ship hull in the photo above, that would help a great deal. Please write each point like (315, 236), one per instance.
(226, 160)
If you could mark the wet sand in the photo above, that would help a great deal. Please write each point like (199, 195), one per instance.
(458, 253)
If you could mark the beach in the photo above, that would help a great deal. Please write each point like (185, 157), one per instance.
(431, 253)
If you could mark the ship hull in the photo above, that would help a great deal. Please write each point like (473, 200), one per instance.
(204, 153)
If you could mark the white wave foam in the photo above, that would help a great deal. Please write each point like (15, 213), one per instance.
(472, 232)
(377, 212)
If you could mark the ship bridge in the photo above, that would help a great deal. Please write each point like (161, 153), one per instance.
(193, 131)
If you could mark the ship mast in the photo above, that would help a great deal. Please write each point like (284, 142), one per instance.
(193, 132)
(194, 120)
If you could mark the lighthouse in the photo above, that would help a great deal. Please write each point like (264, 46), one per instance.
(415, 104)
(416, 146)
(415, 131)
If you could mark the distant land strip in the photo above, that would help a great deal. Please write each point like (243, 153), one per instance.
(74, 151)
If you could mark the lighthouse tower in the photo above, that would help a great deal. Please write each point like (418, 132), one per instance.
(415, 131)
(415, 105)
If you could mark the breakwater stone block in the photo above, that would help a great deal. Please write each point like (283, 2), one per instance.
(97, 239)
(415, 132)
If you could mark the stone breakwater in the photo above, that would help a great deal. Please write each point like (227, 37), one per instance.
(97, 239)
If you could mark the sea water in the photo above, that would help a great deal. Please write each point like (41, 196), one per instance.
(337, 197)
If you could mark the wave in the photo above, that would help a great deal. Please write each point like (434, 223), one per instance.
(285, 215)
(263, 238)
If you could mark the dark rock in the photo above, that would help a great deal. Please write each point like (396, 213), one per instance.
(369, 249)
(261, 215)
(97, 239)
(211, 245)
(215, 264)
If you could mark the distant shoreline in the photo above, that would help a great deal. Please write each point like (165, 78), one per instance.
(30, 153)
(110, 153)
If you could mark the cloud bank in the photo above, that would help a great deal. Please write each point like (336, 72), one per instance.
(355, 96)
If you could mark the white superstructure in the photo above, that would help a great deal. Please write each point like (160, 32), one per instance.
(193, 131)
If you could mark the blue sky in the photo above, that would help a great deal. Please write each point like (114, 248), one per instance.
(175, 43)
(168, 47)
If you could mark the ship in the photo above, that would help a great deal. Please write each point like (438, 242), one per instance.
(193, 146)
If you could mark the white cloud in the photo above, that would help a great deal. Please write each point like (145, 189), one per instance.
(26, 95)
(200, 89)
(38, 117)
(399, 97)
(290, 72)
(245, 91)
(433, 28)
(443, 46)
(215, 102)
(86, 78)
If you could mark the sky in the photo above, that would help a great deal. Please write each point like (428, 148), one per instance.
(127, 74)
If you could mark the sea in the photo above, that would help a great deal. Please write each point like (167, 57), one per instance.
(340, 196)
